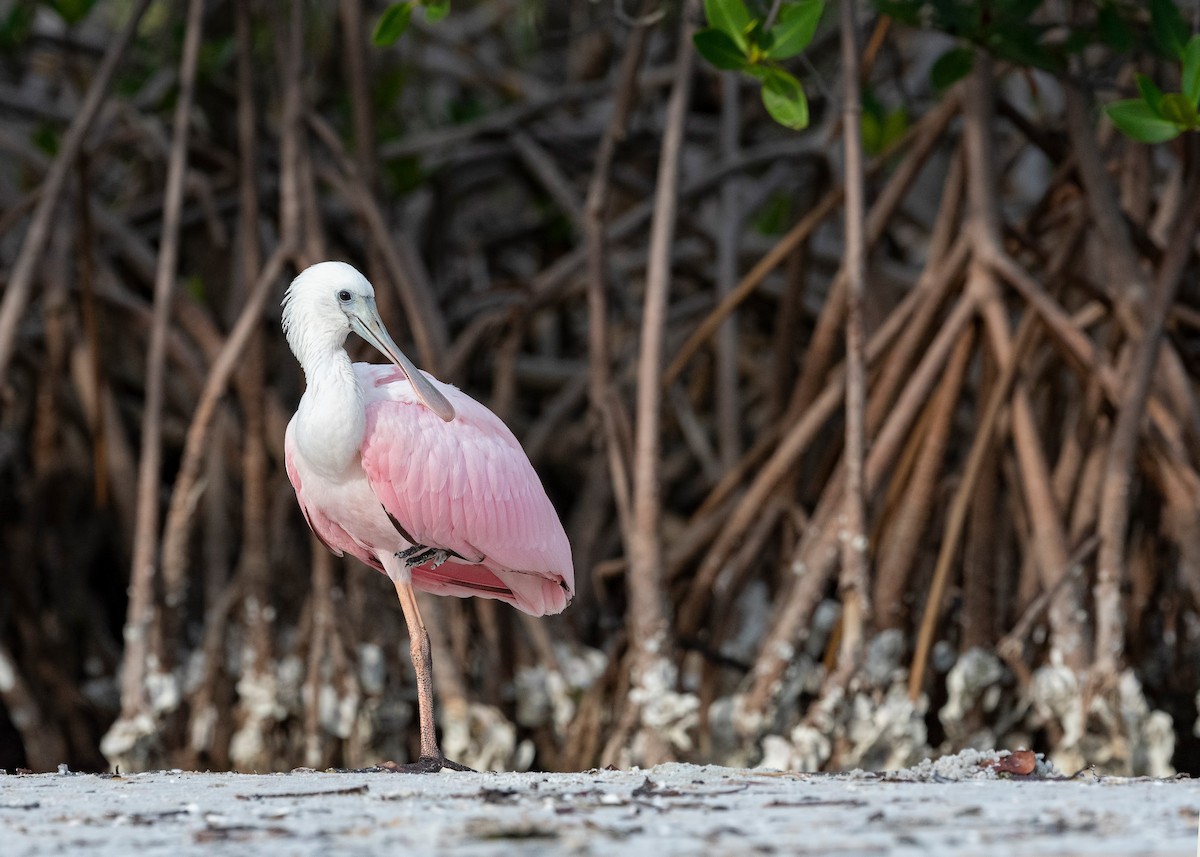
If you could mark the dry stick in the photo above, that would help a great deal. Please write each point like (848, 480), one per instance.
(1115, 495)
(731, 582)
(777, 254)
(898, 553)
(356, 61)
(956, 517)
(852, 585)
(544, 168)
(1049, 537)
(781, 251)
(312, 248)
(321, 606)
(356, 53)
(913, 317)
(826, 336)
(1085, 355)
(799, 435)
(41, 737)
(20, 281)
(922, 138)
(726, 382)
(425, 322)
(289, 59)
(179, 513)
(100, 404)
(1166, 447)
(1181, 523)
(91, 327)
(787, 323)
(601, 396)
(203, 716)
(947, 248)
(650, 632)
(134, 700)
(1011, 645)
(1123, 259)
(254, 566)
(816, 557)
(681, 553)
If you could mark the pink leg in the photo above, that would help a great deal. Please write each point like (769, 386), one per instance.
(422, 659)
(431, 759)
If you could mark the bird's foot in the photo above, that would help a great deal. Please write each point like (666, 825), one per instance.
(420, 554)
(423, 765)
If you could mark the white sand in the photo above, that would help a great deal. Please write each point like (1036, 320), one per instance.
(671, 809)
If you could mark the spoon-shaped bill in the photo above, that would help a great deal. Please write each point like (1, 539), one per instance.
(366, 323)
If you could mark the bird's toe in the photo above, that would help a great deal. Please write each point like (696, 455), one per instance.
(423, 765)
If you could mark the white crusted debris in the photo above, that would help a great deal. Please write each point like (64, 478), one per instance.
(372, 669)
(204, 729)
(973, 681)
(131, 742)
(548, 695)
(753, 612)
(1149, 735)
(824, 620)
(886, 733)
(162, 689)
(480, 737)
(883, 665)
(8, 674)
(1055, 697)
(967, 764)
(805, 749)
(260, 706)
(337, 708)
(663, 709)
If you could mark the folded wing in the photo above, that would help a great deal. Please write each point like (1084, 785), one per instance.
(466, 487)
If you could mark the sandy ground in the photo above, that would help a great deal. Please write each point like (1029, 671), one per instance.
(671, 809)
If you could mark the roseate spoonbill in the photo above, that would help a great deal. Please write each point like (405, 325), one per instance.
(412, 476)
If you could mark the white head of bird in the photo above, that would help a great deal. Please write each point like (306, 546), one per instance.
(322, 305)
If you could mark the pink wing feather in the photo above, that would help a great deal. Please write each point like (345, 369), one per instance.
(465, 486)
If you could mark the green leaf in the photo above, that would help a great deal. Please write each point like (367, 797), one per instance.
(784, 99)
(17, 26)
(1168, 27)
(776, 214)
(794, 30)
(904, 11)
(72, 11)
(1191, 70)
(951, 67)
(1178, 109)
(195, 287)
(731, 17)
(894, 127)
(1151, 94)
(1022, 43)
(436, 10)
(871, 131)
(1114, 31)
(958, 18)
(720, 50)
(392, 24)
(1134, 118)
(46, 138)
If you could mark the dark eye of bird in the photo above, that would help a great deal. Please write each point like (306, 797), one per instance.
(344, 296)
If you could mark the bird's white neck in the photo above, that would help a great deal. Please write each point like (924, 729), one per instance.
(332, 415)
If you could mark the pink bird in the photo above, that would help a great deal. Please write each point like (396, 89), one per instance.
(412, 476)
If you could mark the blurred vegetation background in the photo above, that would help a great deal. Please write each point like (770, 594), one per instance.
(631, 244)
